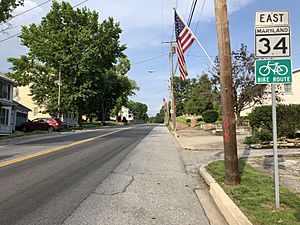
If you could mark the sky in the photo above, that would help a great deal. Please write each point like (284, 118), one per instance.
(146, 24)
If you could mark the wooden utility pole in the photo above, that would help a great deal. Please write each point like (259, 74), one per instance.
(173, 107)
(228, 117)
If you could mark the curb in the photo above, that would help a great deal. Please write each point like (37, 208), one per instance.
(230, 211)
(232, 214)
(177, 139)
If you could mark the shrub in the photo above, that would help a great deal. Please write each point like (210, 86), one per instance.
(251, 140)
(210, 116)
(264, 135)
(288, 119)
(258, 137)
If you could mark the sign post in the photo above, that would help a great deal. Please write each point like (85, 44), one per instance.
(272, 40)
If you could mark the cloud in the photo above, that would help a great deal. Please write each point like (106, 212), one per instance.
(144, 21)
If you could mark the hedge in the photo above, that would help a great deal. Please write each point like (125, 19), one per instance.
(288, 120)
(210, 116)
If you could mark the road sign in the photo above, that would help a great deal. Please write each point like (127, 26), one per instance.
(272, 42)
(272, 18)
(276, 71)
(272, 39)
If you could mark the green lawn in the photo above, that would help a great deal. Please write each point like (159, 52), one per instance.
(255, 196)
(182, 119)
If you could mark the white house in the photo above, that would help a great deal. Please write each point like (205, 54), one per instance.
(6, 105)
(12, 113)
(124, 113)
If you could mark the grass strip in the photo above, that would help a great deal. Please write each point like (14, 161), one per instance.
(255, 196)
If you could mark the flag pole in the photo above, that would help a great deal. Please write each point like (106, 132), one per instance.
(195, 38)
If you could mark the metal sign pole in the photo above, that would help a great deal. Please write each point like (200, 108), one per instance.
(275, 154)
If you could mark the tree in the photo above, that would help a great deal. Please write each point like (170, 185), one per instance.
(182, 91)
(201, 97)
(122, 89)
(159, 118)
(6, 8)
(87, 54)
(246, 93)
(139, 110)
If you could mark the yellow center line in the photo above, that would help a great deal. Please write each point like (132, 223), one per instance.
(20, 159)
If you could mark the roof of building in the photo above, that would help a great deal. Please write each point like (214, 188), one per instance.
(5, 78)
(296, 70)
(18, 105)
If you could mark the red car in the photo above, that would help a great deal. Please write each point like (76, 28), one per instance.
(49, 124)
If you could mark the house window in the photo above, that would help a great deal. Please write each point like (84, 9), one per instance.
(4, 116)
(35, 111)
(5, 91)
(8, 92)
(288, 88)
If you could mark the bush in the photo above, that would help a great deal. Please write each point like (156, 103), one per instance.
(251, 140)
(210, 116)
(288, 120)
(264, 135)
(258, 137)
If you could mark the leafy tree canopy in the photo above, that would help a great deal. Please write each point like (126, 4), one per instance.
(139, 110)
(159, 117)
(201, 97)
(88, 55)
(6, 8)
(182, 91)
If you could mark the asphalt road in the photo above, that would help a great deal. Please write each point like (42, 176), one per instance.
(48, 188)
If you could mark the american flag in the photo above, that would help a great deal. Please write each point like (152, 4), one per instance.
(184, 39)
(165, 103)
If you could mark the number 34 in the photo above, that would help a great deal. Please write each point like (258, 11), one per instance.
(281, 45)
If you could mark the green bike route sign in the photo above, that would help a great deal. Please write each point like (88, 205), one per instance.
(269, 71)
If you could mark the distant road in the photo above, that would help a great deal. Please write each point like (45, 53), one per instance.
(48, 188)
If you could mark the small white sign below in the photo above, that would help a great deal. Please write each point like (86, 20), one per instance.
(272, 18)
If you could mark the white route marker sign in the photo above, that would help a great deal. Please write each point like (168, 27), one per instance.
(272, 34)
(272, 18)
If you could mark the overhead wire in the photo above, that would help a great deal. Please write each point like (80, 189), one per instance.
(150, 59)
(197, 23)
(26, 11)
(193, 6)
(15, 35)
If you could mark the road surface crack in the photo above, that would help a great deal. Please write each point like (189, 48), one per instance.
(111, 189)
(125, 188)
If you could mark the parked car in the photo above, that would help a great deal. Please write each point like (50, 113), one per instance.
(49, 124)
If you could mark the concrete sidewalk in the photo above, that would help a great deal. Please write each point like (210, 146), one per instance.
(150, 186)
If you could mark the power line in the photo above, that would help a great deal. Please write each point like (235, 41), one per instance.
(200, 16)
(197, 24)
(26, 11)
(15, 35)
(150, 59)
(192, 10)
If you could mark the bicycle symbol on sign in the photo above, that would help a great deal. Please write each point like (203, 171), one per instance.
(273, 67)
